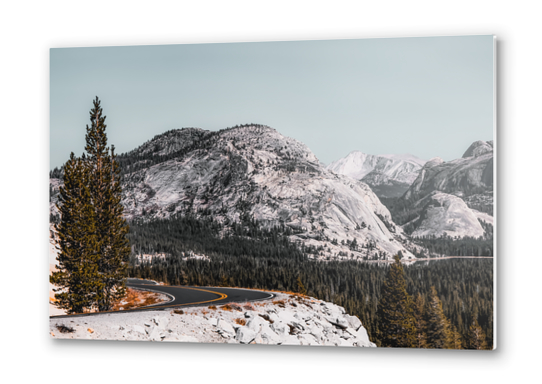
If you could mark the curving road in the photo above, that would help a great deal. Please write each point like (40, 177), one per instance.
(183, 296)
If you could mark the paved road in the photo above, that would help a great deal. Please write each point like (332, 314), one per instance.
(195, 296)
(184, 296)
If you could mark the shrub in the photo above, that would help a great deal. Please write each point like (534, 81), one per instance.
(241, 321)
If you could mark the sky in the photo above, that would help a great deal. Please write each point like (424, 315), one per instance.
(425, 96)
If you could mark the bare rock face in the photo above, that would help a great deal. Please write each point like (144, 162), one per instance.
(448, 196)
(447, 214)
(470, 175)
(387, 175)
(254, 171)
(479, 148)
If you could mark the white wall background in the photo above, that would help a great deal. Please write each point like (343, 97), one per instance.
(29, 29)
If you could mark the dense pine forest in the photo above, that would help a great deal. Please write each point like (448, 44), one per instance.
(248, 256)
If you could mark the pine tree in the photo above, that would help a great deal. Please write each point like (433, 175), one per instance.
(77, 279)
(455, 342)
(419, 314)
(477, 339)
(438, 327)
(300, 287)
(396, 322)
(106, 197)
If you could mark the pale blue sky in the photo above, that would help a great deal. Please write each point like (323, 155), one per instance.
(428, 96)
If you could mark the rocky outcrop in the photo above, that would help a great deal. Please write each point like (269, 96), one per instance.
(387, 175)
(442, 213)
(470, 175)
(287, 320)
(451, 197)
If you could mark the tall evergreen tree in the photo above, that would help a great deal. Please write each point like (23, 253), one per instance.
(438, 328)
(477, 339)
(396, 322)
(77, 278)
(419, 314)
(106, 197)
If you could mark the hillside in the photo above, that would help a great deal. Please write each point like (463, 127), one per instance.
(253, 173)
(453, 197)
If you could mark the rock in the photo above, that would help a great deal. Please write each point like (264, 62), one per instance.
(156, 335)
(341, 322)
(280, 328)
(249, 314)
(345, 343)
(298, 326)
(332, 339)
(270, 337)
(213, 321)
(138, 329)
(316, 332)
(353, 322)
(245, 335)
(362, 337)
(224, 327)
(161, 322)
(187, 339)
(171, 337)
(308, 339)
(290, 340)
(256, 323)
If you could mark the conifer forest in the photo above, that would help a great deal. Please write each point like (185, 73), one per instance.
(264, 259)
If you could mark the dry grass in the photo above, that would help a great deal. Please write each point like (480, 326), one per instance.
(248, 307)
(231, 307)
(212, 307)
(280, 303)
(178, 311)
(241, 321)
(135, 298)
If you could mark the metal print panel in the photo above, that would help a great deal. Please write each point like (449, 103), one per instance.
(330, 193)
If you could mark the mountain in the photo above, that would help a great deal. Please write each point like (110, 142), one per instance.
(253, 173)
(388, 175)
(451, 197)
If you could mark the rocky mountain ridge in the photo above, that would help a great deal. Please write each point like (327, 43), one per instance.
(451, 197)
(255, 172)
(387, 175)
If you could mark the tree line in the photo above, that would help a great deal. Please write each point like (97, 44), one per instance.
(252, 257)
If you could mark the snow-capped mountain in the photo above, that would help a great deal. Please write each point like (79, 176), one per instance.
(388, 175)
(449, 196)
(254, 171)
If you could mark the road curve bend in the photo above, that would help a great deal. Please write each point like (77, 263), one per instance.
(185, 296)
